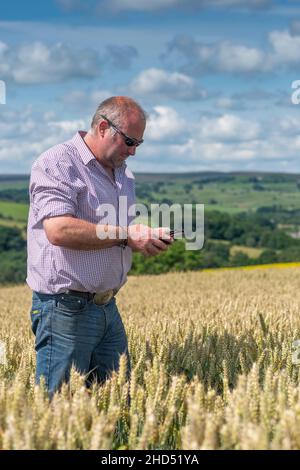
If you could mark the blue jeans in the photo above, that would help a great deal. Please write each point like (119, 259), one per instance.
(72, 330)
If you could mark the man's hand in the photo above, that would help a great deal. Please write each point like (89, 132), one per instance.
(147, 240)
(77, 234)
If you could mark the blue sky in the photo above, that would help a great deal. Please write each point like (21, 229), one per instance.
(214, 76)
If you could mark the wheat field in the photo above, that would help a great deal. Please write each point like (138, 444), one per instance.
(212, 369)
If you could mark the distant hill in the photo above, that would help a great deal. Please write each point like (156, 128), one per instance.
(202, 174)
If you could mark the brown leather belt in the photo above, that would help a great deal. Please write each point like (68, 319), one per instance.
(99, 298)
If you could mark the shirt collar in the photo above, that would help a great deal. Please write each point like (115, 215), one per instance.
(82, 148)
(87, 156)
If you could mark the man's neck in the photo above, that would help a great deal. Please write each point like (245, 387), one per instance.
(89, 143)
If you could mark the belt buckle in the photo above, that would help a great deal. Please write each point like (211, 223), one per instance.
(103, 297)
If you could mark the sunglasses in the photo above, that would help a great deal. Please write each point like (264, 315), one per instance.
(129, 141)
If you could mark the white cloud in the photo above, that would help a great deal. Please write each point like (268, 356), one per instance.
(289, 125)
(11, 125)
(40, 63)
(226, 143)
(286, 48)
(3, 48)
(158, 82)
(141, 5)
(254, 99)
(12, 153)
(195, 57)
(37, 134)
(68, 126)
(172, 143)
(164, 123)
(238, 3)
(157, 5)
(120, 57)
(228, 102)
(88, 101)
(294, 27)
(238, 58)
(199, 155)
(228, 128)
(224, 56)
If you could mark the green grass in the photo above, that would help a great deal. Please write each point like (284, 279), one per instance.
(251, 252)
(17, 211)
(12, 223)
(232, 196)
(13, 185)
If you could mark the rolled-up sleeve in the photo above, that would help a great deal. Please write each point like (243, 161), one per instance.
(54, 189)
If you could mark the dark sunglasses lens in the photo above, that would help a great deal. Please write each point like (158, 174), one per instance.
(130, 143)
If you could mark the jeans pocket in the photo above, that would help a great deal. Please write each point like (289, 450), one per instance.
(35, 316)
(40, 315)
(35, 313)
(71, 305)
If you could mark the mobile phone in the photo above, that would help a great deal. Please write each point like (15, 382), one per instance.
(172, 233)
(176, 232)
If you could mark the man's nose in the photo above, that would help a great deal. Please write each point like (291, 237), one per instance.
(131, 150)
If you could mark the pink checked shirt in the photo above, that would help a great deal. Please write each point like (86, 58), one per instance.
(67, 179)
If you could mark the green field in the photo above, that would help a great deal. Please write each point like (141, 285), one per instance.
(14, 181)
(13, 184)
(14, 210)
(231, 197)
(228, 192)
(225, 192)
(249, 251)
(12, 223)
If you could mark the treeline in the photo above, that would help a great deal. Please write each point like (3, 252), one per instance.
(213, 255)
(257, 230)
(251, 230)
(279, 215)
(15, 195)
(13, 255)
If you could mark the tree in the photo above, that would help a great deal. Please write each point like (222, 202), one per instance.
(240, 259)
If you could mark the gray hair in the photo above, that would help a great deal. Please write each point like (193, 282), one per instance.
(117, 109)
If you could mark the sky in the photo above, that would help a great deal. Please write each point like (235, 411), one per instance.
(214, 76)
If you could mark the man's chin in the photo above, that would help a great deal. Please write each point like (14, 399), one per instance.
(120, 162)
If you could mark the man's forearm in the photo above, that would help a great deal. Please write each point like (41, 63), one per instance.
(79, 234)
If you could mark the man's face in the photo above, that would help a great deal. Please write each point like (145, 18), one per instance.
(116, 149)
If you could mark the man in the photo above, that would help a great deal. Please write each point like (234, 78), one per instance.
(76, 264)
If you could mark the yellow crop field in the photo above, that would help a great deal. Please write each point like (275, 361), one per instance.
(212, 369)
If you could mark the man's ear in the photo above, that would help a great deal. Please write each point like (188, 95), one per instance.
(102, 126)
